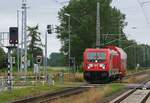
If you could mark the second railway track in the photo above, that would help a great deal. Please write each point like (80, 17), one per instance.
(139, 94)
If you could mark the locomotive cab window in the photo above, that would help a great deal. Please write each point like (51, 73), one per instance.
(96, 56)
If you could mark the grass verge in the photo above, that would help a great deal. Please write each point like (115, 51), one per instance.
(20, 93)
(94, 95)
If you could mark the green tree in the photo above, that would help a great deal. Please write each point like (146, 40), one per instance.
(83, 24)
(56, 59)
(2, 58)
(35, 43)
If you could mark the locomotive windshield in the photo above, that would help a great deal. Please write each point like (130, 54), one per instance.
(96, 56)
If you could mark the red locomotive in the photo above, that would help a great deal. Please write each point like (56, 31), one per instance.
(104, 63)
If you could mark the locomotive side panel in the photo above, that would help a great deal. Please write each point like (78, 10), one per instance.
(122, 58)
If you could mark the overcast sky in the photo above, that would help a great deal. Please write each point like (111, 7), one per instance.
(44, 12)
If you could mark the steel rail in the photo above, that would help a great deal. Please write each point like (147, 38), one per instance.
(52, 96)
(132, 91)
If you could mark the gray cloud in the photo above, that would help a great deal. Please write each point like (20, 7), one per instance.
(44, 12)
(135, 18)
(40, 12)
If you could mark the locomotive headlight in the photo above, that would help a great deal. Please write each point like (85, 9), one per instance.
(90, 65)
(103, 66)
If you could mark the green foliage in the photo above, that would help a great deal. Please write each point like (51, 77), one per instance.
(38, 89)
(35, 43)
(114, 89)
(57, 59)
(7, 96)
(2, 58)
(83, 25)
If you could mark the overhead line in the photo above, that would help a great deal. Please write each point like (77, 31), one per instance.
(141, 5)
(61, 3)
(145, 2)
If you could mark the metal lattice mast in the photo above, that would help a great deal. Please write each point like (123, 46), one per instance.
(22, 49)
(24, 8)
(18, 53)
(98, 26)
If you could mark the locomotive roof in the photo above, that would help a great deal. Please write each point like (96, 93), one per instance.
(95, 49)
(120, 51)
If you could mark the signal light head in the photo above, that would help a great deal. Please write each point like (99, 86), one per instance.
(13, 35)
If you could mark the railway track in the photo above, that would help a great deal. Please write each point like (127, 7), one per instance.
(53, 96)
(64, 93)
(139, 94)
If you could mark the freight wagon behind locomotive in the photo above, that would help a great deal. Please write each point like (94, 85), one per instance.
(104, 63)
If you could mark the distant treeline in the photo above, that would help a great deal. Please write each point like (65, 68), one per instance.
(138, 54)
(57, 59)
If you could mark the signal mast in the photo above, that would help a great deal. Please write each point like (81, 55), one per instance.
(98, 26)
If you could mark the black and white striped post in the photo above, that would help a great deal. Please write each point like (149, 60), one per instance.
(9, 74)
(13, 40)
